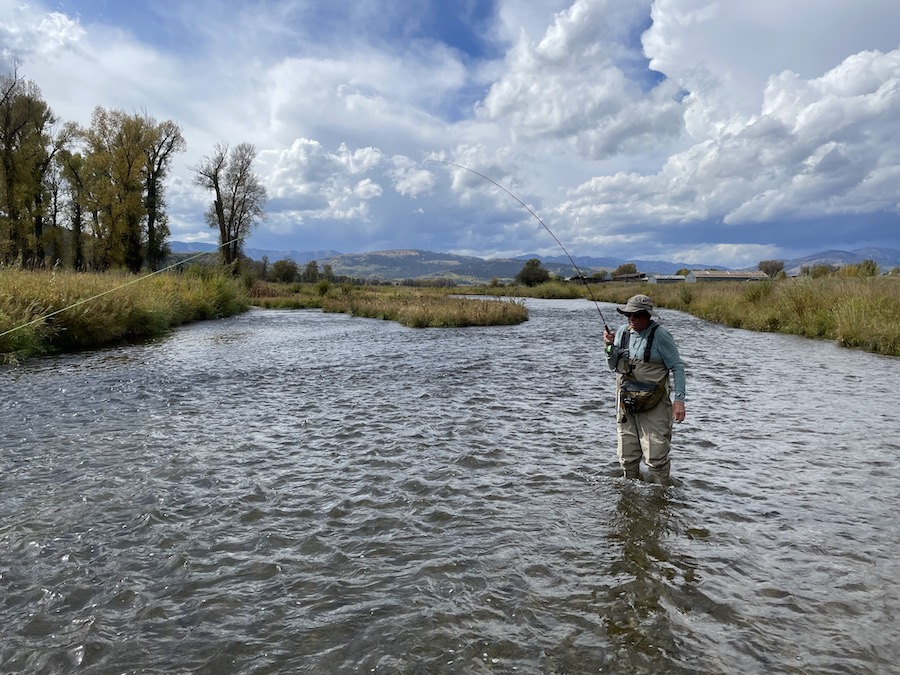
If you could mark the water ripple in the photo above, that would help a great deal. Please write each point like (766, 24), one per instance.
(302, 492)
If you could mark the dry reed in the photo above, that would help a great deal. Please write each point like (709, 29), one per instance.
(47, 311)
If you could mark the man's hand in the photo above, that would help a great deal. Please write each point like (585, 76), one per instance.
(608, 336)
(678, 411)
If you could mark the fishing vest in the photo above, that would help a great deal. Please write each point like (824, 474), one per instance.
(642, 383)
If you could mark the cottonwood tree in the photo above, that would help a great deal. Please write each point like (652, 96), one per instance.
(625, 268)
(117, 160)
(111, 174)
(127, 157)
(46, 186)
(163, 141)
(771, 267)
(310, 272)
(239, 196)
(533, 273)
(14, 122)
(72, 167)
(285, 270)
(30, 138)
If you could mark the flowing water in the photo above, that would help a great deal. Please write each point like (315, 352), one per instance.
(297, 492)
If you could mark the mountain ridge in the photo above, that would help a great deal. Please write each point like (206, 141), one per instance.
(400, 264)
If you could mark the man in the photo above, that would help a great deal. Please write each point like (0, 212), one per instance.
(643, 353)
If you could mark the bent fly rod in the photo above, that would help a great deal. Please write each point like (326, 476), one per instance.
(527, 208)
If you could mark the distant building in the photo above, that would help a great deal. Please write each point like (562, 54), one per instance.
(586, 280)
(637, 277)
(704, 276)
(665, 278)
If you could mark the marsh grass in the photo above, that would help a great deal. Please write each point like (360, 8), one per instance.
(862, 313)
(551, 290)
(47, 311)
(858, 312)
(413, 307)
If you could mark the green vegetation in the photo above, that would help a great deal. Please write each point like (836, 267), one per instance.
(119, 309)
(533, 273)
(861, 312)
(94, 198)
(849, 305)
(417, 308)
(554, 289)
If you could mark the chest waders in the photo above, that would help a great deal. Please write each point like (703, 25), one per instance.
(642, 384)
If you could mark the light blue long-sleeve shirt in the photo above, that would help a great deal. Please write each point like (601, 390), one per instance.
(663, 350)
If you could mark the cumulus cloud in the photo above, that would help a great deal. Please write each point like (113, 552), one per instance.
(630, 126)
(25, 35)
(568, 85)
(411, 179)
(818, 146)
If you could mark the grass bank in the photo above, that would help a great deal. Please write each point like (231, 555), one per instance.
(49, 311)
(857, 312)
(417, 308)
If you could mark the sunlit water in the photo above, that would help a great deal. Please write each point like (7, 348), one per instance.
(296, 492)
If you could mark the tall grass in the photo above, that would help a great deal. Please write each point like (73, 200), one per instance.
(551, 290)
(414, 307)
(47, 311)
(860, 312)
(429, 310)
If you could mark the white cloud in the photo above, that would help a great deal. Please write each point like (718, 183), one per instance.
(25, 34)
(725, 52)
(764, 112)
(569, 86)
(409, 179)
(817, 146)
(358, 161)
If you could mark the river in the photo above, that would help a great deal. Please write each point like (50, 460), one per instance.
(298, 492)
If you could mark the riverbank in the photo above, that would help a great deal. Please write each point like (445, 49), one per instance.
(43, 312)
(413, 307)
(48, 311)
(856, 312)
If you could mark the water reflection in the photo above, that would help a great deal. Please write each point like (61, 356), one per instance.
(639, 621)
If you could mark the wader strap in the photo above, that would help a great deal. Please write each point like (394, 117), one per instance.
(624, 341)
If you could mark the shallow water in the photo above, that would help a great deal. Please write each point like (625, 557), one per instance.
(301, 492)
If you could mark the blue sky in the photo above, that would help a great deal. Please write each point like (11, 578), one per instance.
(697, 131)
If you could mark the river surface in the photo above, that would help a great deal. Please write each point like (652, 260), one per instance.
(298, 492)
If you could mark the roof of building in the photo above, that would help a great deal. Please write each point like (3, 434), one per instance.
(728, 274)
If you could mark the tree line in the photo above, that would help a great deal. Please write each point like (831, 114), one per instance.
(94, 198)
(533, 273)
(867, 268)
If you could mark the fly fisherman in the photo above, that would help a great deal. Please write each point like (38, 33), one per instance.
(643, 353)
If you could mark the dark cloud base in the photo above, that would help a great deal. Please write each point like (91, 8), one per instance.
(845, 232)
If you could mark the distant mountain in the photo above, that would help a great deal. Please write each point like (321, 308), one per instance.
(255, 253)
(887, 259)
(646, 266)
(191, 247)
(423, 265)
(414, 264)
(300, 257)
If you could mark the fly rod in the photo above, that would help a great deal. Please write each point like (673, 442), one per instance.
(527, 208)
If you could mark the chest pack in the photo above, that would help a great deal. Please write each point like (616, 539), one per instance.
(637, 396)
